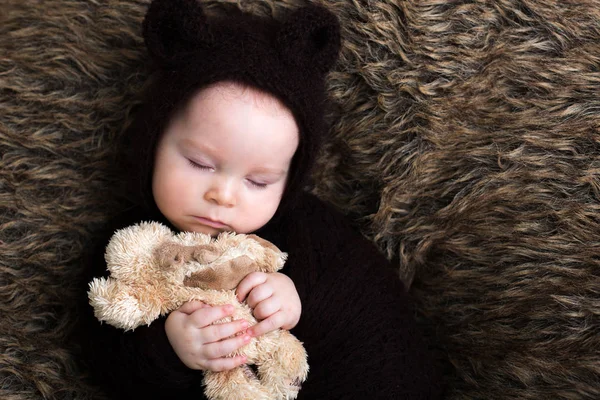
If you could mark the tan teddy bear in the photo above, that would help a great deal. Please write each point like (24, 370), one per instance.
(154, 271)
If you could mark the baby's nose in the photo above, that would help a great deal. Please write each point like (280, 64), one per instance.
(222, 194)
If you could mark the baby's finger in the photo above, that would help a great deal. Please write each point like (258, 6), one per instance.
(225, 347)
(258, 294)
(191, 306)
(266, 308)
(248, 283)
(207, 315)
(275, 321)
(216, 332)
(224, 363)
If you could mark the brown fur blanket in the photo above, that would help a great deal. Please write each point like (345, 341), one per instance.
(465, 143)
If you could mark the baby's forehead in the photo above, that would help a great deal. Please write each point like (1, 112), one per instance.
(225, 122)
(226, 91)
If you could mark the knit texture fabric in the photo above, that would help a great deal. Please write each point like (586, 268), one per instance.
(357, 323)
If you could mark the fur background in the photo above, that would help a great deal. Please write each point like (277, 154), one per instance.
(466, 144)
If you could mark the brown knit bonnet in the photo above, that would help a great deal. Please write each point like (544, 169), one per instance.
(287, 59)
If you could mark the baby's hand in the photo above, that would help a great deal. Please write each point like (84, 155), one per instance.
(274, 298)
(200, 345)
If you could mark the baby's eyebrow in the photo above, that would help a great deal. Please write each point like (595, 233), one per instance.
(197, 146)
(269, 171)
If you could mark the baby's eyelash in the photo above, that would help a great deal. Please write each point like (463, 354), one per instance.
(196, 165)
(206, 167)
(257, 185)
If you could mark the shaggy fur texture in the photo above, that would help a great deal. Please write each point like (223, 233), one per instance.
(466, 145)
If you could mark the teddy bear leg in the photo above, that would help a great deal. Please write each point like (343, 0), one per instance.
(282, 364)
(240, 383)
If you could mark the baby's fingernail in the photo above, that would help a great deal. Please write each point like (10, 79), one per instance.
(244, 324)
(247, 338)
(228, 309)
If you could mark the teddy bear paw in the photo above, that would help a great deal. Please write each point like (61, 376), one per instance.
(250, 371)
(295, 384)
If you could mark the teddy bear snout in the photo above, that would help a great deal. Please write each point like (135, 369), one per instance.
(170, 254)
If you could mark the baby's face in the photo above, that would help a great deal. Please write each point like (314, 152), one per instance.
(223, 162)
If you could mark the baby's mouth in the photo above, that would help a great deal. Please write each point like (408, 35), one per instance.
(210, 222)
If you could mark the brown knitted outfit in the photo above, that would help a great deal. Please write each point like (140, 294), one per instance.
(356, 323)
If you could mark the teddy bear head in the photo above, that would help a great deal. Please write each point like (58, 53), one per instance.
(152, 269)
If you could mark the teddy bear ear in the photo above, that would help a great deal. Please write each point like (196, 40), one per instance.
(310, 36)
(172, 27)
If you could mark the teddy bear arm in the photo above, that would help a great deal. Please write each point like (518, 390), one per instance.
(116, 304)
(282, 361)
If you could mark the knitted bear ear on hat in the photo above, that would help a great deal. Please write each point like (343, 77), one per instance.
(310, 37)
(173, 28)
